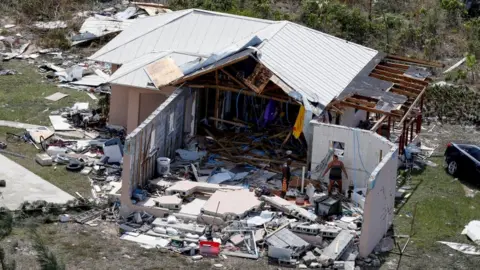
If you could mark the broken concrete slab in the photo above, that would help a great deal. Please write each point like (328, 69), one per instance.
(338, 246)
(23, 185)
(184, 227)
(187, 188)
(172, 202)
(284, 238)
(228, 203)
(290, 208)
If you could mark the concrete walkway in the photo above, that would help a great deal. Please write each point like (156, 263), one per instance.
(23, 185)
(12, 124)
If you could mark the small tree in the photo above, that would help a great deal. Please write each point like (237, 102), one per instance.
(46, 259)
(471, 62)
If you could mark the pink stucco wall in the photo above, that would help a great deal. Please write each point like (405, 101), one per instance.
(129, 106)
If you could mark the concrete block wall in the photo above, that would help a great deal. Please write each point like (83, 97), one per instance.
(379, 203)
(363, 151)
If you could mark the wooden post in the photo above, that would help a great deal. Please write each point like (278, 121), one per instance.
(217, 97)
(406, 134)
(411, 131)
(389, 127)
(420, 117)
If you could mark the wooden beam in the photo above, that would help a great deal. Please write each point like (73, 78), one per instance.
(411, 107)
(360, 101)
(228, 122)
(241, 84)
(401, 77)
(406, 88)
(353, 105)
(378, 75)
(415, 61)
(396, 65)
(248, 93)
(381, 66)
(379, 123)
(403, 92)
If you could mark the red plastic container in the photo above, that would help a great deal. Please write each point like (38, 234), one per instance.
(209, 248)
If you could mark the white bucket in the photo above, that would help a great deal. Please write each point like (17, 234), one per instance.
(163, 165)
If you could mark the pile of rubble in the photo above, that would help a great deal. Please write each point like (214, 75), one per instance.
(205, 205)
(66, 68)
(82, 143)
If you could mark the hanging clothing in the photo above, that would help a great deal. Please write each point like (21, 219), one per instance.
(298, 127)
(269, 112)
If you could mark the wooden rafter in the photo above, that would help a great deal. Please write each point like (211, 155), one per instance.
(378, 75)
(383, 66)
(233, 78)
(367, 103)
(398, 66)
(379, 123)
(403, 92)
(413, 104)
(242, 91)
(368, 109)
(415, 61)
(401, 77)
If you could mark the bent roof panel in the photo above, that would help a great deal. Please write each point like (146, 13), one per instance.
(197, 31)
(133, 73)
(315, 64)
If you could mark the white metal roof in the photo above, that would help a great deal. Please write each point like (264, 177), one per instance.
(133, 73)
(191, 31)
(317, 65)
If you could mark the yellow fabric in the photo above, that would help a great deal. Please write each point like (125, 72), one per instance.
(298, 127)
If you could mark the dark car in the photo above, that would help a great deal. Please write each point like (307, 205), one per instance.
(463, 160)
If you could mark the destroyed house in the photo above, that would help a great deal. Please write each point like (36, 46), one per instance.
(257, 91)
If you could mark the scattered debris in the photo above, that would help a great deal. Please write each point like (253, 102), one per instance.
(51, 25)
(472, 230)
(464, 248)
(4, 72)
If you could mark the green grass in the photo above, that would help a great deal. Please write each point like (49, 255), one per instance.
(22, 99)
(22, 96)
(442, 208)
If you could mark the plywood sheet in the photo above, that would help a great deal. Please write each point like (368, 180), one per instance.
(56, 97)
(163, 72)
(59, 123)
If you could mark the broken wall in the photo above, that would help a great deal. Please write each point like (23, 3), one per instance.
(352, 117)
(363, 150)
(380, 202)
(158, 136)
